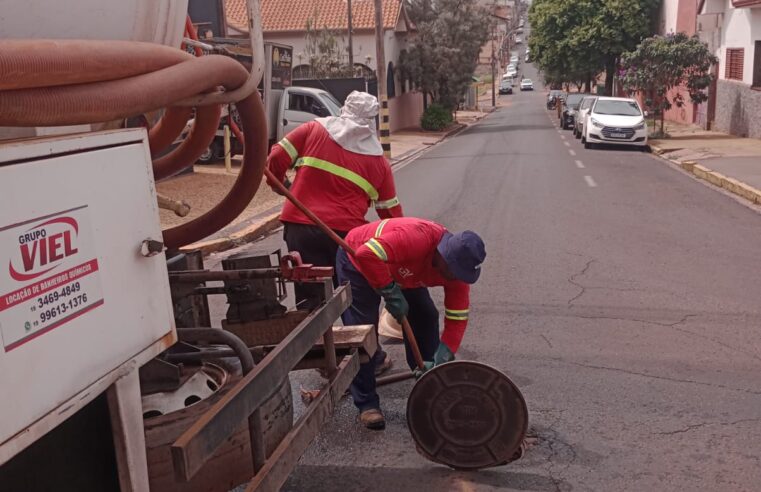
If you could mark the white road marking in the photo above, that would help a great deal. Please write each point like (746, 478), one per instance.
(590, 182)
(572, 152)
(579, 164)
(566, 144)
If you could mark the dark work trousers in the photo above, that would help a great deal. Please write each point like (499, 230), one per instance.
(423, 317)
(317, 248)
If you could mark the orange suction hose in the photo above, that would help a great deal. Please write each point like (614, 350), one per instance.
(65, 89)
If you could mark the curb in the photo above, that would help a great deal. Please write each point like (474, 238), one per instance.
(720, 181)
(449, 133)
(239, 238)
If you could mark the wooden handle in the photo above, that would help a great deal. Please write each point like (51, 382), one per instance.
(322, 225)
(335, 237)
(413, 344)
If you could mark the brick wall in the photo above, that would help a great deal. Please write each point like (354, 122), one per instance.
(737, 109)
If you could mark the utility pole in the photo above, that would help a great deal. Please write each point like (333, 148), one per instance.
(380, 70)
(351, 46)
(493, 70)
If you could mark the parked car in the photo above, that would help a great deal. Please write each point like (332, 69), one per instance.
(615, 120)
(570, 105)
(506, 86)
(578, 118)
(514, 60)
(556, 93)
(527, 85)
(518, 40)
(511, 71)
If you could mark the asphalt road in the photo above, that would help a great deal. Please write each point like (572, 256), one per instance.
(620, 294)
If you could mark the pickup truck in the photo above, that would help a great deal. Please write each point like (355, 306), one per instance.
(287, 106)
(286, 110)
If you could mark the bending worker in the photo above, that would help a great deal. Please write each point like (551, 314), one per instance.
(340, 171)
(397, 259)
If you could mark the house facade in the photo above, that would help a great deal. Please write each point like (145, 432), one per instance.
(285, 22)
(681, 16)
(732, 30)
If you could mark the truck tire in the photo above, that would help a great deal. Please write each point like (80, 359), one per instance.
(214, 153)
(231, 464)
(207, 157)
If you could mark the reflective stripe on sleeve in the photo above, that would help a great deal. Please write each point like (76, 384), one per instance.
(376, 248)
(387, 203)
(341, 172)
(456, 314)
(379, 230)
(288, 147)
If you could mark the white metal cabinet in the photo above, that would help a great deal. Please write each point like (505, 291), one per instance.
(79, 306)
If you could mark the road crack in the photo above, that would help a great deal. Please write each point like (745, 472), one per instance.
(661, 378)
(572, 281)
(638, 320)
(675, 326)
(547, 340)
(556, 446)
(704, 424)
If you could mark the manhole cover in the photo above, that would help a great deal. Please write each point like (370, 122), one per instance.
(467, 415)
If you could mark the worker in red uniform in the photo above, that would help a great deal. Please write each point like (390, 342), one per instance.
(398, 259)
(340, 172)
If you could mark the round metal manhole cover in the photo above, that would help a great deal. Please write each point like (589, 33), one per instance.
(467, 415)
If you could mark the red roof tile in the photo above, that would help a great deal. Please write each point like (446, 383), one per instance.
(292, 15)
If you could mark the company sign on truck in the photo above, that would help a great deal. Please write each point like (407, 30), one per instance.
(49, 275)
(282, 61)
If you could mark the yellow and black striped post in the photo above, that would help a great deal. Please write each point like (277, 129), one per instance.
(380, 73)
(385, 132)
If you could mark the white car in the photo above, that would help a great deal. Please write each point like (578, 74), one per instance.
(581, 114)
(615, 120)
(518, 41)
(511, 72)
(514, 60)
(527, 85)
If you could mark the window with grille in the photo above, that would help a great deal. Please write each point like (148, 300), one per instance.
(735, 60)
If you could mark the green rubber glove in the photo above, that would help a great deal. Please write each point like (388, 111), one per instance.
(442, 355)
(396, 304)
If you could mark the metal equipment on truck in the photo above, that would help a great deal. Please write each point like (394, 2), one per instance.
(111, 374)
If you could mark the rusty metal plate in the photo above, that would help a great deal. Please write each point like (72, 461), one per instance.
(467, 415)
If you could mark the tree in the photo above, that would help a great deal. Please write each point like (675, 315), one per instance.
(662, 63)
(443, 53)
(619, 26)
(557, 28)
(325, 52)
(574, 40)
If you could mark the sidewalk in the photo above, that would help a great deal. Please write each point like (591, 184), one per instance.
(208, 184)
(726, 161)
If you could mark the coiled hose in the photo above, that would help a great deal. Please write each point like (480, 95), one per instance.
(71, 82)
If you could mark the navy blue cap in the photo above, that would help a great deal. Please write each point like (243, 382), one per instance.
(463, 252)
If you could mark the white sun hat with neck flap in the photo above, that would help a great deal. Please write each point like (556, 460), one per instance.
(354, 130)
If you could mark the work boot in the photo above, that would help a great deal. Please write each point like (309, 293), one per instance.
(384, 366)
(373, 419)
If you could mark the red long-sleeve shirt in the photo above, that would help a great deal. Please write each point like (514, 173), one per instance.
(336, 184)
(402, 249)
